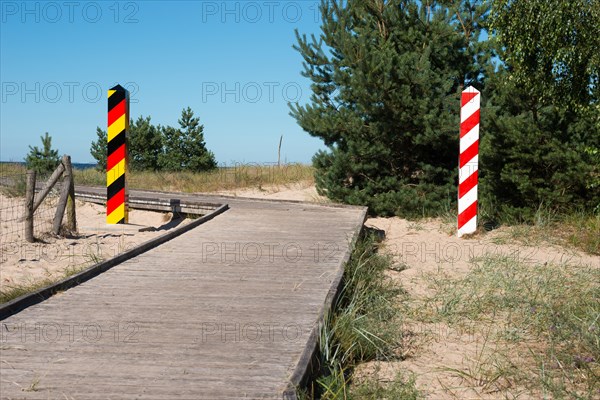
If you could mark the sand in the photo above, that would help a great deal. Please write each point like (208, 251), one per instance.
(51, 257)
(433, 353)
(302, 191)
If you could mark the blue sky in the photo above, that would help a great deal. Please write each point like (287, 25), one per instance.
(232, 62)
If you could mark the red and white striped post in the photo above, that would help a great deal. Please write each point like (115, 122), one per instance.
(468, 161)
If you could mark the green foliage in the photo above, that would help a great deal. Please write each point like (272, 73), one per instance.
(156, 148)
(386, 78)
(184, 148)
(551, 48)
(541, 123)
(44, 160)
(145, 145)
(98, 149)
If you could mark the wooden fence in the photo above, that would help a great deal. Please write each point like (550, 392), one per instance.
(66, 199)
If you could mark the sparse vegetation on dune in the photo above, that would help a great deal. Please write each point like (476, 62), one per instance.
(578, 230)
(517, 317)
(540, 324)
(8, 169)
(239, 176)
(224, 178)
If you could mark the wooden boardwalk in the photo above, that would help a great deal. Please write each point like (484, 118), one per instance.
(227, 310)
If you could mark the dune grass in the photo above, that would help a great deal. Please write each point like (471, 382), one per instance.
(363, 325)
(400, 388)
(580, 230)
(541, 324)
(238, 176)
(583, 231)
(9, 169)
(241, 176)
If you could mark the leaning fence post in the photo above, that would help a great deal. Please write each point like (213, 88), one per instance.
(29, 195)
(64, 196)
(48, 186)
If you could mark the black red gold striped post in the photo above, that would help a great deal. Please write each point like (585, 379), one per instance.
(116, 163)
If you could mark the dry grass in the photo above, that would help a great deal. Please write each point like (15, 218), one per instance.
(10, 292)
(225, 178)
(239, 176)
(542, 319)
(8, 169)
(577, 230)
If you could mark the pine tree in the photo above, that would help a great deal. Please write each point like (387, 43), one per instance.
(43, 160)
(155, 148)
(171, 159)
(386, 78)
(98, 149)
(144, 145)
(184, 148)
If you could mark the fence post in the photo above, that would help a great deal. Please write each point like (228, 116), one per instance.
(29, 196)
(468, 161)
(71, 215)
(64, 195)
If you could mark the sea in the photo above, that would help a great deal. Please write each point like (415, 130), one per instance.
(74, 164)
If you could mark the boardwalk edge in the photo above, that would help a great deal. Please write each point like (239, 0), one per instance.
(306, 363)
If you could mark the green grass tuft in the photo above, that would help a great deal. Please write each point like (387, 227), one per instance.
(10, 292)
(363, 325)
(400, 388)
